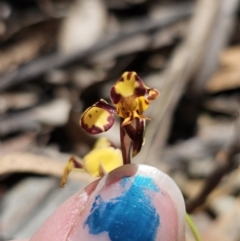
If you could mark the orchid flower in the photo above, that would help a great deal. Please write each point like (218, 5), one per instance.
(130, 98)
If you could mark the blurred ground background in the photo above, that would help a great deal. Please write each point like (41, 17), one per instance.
(57, 57)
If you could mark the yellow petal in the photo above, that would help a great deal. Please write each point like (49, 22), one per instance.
(102, 142)
(128, 85)
(104, 158)
(143, 104)
(98, 118)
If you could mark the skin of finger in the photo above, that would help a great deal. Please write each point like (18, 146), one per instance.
(20, 240)
(60, 223)
(65, 221)
(168, 202)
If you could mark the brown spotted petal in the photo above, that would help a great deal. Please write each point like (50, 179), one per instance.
(98, 118)
(128, 85)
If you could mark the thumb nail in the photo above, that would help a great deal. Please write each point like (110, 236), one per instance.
(133, 203)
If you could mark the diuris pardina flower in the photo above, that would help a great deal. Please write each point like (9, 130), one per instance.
(130, 98)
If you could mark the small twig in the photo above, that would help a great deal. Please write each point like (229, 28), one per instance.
(18, 143)
(217, 174)
(23, 162)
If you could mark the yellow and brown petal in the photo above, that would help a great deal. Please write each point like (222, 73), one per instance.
(103, 158)
(152, 94)
(132, 97)
(128, 85)
(98, 118)
(73, 163)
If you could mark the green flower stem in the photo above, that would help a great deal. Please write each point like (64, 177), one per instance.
(192, 227)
